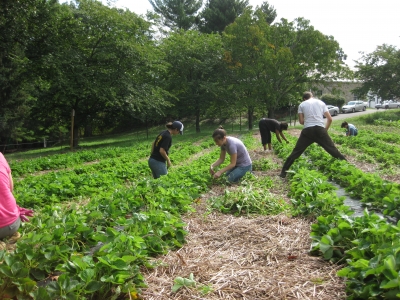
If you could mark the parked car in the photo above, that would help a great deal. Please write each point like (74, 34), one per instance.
(388, 104)
(353, 106)
(333, 110)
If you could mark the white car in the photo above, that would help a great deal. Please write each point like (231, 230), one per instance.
(388, 104)
(353, 106)
(333, 110)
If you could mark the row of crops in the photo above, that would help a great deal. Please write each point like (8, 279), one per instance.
(100, 216)
(368, 245)
(95, 248)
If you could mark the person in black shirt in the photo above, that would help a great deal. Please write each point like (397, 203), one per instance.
(160, 148)
(267, 126)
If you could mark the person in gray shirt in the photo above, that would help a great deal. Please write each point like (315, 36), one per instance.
(240, 161)
(311, 112)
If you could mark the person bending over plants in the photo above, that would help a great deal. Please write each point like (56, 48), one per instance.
(11, 215)
(267, 126)
(240, 161)
(159, 160)
(351, 130)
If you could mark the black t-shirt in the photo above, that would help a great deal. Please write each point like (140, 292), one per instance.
(163, 140)
(272, 124)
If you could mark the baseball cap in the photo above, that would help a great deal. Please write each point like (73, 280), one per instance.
(178, 125)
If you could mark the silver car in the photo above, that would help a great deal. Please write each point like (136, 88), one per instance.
(353, 106)
(333, 110)
(388, 104)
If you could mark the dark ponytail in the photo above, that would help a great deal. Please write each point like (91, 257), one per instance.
(219, 133)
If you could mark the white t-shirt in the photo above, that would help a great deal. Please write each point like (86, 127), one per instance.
(313, 111)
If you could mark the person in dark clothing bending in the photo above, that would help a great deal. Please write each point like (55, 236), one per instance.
(159, 159)
(267, 126)
(311, 112)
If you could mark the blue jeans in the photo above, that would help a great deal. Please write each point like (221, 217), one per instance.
(353, 131)
(235, 174)
(158, 168)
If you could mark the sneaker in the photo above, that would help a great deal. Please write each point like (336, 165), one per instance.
(282, 175)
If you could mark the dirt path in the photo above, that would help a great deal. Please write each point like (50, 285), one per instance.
(259, 257)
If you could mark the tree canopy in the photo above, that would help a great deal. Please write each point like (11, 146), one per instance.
(218, 14)
(177, 14)
(379, 73)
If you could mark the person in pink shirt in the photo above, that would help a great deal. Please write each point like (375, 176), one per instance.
(11, 214)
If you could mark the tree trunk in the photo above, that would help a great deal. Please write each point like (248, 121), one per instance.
(271, 113)
(88, 131)
(76, 136)
(198, 121)
(250, 112)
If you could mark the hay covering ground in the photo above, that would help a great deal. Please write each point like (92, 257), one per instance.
(263, 257)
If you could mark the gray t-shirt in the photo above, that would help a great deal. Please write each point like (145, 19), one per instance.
(235, 145)
(313, 111)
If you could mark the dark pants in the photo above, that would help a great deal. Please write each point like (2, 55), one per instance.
(264, 132)
(309, 135)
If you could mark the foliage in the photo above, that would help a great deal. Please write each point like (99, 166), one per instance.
(177, 14)
(251, 197)
(333, 100)
(379, 72)
(218, 14)
(194, 63)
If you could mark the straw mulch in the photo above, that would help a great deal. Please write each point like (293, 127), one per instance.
(264, 257)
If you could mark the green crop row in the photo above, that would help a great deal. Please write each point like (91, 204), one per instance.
(369, 245)
(382, 152)
(95, 249)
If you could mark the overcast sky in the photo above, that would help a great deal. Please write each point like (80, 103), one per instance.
(358, 25)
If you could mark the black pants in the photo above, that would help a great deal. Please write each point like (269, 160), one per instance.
(264, 132)
(309, 135)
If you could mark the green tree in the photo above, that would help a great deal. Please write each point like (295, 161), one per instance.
(218, 14)
(20, 22)
(379, 73)
(269, 11)
(274, 62)
(177, 14)
(103, 63)
(195, 61)
(333, 99)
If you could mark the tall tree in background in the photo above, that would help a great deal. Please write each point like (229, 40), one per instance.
(218, 14)
(379, 72)
(20, 22)
(195, 61)
(177, 14)
(274, 62)
(269, 11)
(103, 63)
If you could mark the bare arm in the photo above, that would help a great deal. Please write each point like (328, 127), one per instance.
(277, 136)
(165, 156)
(328, 120)
(301, 118)
(219, 161)
(231, 165)
(283, 136)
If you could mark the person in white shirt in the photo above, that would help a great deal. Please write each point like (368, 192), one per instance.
(311, 112)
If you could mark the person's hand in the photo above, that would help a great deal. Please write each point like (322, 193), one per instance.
(169, 164)
(212, 172)
(24, 214)
(217, 174)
